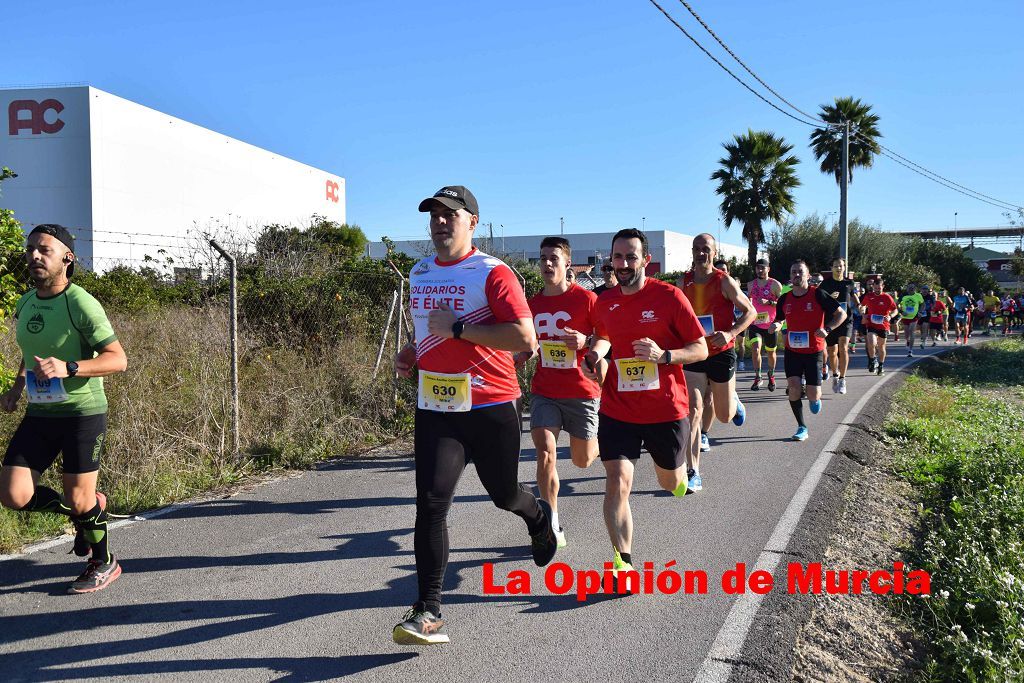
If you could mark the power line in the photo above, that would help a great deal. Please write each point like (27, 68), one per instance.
(728, 71)
(936, 178)
(747, 68)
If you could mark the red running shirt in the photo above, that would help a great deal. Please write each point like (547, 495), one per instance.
(938, 311)
(805, 315)
(877, 305)
(551, 315)
(480, 289)
(658, 311)
(713, 310)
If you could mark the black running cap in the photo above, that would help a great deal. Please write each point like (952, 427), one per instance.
(454, 197)
(62, 234)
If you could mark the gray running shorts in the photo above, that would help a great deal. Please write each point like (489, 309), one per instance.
(578, 416)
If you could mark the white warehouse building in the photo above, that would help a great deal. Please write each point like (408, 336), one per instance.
(670, 250)
(126, 179)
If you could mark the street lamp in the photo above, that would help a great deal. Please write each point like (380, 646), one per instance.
(954, 224)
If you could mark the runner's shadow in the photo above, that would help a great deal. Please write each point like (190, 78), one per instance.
(297, 669)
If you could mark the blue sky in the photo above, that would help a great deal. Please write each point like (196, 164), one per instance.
(601, 113)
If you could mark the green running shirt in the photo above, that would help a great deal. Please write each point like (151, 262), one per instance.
(910, 304)
(71, 326)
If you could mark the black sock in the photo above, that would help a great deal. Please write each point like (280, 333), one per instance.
(626, 557)
(798, 411)
(94, 526)
(46, 499)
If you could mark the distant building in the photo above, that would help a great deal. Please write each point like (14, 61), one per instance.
(998, 264)
(670, 250)
(128, 180)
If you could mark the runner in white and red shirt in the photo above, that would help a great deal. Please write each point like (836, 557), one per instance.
(878, 310)
(651, 330)
(560, 396)
(810, 314)
(470, 316)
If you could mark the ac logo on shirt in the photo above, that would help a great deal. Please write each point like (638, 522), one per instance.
(648, 315)
(547, 323)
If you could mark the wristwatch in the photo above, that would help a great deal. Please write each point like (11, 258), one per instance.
(72, 368)
(457, 327)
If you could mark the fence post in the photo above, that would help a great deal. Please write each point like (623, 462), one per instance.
(387, 328)
(233, 333)
(400, 327)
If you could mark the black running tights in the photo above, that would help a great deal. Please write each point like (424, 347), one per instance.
(445, 443)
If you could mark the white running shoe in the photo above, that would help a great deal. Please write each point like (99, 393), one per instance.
(842, 385)
(835, 385)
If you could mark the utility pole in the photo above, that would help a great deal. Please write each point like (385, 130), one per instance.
(844, 234)
(561, 222)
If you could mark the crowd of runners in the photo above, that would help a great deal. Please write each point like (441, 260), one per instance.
(638, 364)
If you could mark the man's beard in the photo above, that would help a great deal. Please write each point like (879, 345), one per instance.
(43, 278)
(631, 281)
(443, 242)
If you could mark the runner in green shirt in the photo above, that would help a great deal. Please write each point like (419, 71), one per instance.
(910, 305)
(67, 347)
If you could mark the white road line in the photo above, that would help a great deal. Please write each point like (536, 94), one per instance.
(725, 651)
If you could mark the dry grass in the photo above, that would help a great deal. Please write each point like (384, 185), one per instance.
(169, 435)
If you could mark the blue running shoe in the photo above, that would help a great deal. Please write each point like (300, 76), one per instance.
(705, 445)
(693, 482)
(741, 413)
(801, 434)
(815, 406)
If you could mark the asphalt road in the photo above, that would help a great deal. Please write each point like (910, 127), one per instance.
(303, 578)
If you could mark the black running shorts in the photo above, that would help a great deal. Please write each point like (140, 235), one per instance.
(39, 440)
(770, 339)
(665, 441)
(844, 330)
(719, 368)
(806, 365)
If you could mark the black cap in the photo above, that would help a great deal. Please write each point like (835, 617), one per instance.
(62, 234)
(454, 197)
(761, 262)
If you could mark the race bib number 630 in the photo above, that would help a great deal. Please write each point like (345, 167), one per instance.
(445, 393)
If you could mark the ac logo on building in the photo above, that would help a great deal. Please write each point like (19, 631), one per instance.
(36, 119)
(332, 191)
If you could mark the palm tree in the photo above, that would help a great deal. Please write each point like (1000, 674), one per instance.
(827, 143)
(756, 180)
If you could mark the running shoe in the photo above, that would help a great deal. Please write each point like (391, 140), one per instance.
(741, 413)
(97, 576)
(771, 382)
(835, 385)
(853, 348)
(743, 365)
(82, 546)
(825, 374)
(801, 434)
(871, 364)
(815, 406)
(543, 543)
(880, 370)
(934, 342)
(560, 537)
(693, 482)
(420, 627)
(619, 565)
(705, 444)
(756, 386)
(842, 385)
(910, 352)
